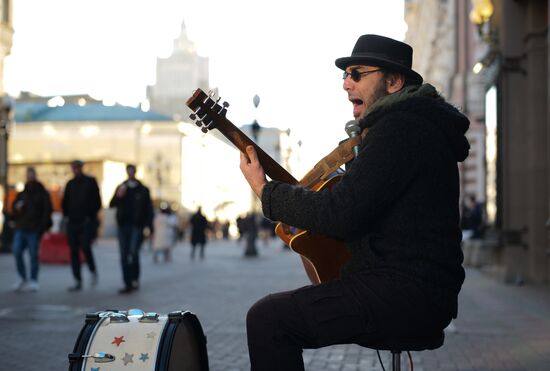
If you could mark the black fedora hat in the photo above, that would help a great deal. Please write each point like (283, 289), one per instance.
(383, 52)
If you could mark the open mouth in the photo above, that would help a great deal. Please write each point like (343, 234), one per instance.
(357, 106)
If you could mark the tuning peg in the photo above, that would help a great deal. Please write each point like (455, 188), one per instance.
(198, 123)
(193, 116)
(225, 104)
(213, 92)
(204, 130)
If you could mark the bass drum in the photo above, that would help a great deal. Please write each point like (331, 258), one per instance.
(117, 340)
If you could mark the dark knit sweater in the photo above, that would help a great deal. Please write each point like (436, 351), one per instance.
(397, 206)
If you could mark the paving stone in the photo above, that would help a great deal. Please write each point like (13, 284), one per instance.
(500, 327)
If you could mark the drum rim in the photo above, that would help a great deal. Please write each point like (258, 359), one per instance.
(75, 358)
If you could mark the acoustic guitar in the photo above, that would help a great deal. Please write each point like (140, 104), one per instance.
(321, 256)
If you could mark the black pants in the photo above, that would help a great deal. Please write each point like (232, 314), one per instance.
(80, 235)
(360, 310)
(194, 246)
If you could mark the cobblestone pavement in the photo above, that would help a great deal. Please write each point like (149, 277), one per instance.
(500, 327)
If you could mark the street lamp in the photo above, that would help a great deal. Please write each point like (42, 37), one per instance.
(480, 16)
(256, 128)
(481, 13)
(251, 222)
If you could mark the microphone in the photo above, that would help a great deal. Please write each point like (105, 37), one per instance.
(353, 130)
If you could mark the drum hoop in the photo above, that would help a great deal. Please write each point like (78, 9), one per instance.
(165, 345)
(90, 341)
(84, 336)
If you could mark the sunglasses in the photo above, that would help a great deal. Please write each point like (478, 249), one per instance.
(356, 75)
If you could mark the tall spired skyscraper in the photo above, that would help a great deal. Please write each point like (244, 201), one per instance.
(177, 77)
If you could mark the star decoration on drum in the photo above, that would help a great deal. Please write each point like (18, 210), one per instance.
(128, 358)
(144, 357)
(151, 335)
(118, 340)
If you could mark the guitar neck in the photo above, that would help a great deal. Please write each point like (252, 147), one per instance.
(210, 115)
(241, 141)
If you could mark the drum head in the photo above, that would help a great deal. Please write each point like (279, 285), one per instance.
(187, 351)
(184, 344)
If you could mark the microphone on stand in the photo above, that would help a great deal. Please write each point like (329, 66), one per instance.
(353, 130)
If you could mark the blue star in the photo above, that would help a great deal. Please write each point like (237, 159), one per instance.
(144, 357)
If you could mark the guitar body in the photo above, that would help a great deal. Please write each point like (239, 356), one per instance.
(322, 256)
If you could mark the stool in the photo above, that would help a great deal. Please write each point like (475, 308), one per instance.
(406, 344)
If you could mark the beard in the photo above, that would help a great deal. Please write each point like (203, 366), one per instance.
(380, 91)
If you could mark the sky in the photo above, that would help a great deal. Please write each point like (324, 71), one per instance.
(283, 51)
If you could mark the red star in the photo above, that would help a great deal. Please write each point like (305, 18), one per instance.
(118, 340)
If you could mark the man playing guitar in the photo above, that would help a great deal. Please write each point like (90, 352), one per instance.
(395, 209)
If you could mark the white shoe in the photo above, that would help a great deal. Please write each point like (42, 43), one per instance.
(33, 286)
(19, 285)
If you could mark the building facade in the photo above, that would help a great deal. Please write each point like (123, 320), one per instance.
(6, 103)
(507, 101)
(176, 160)
(6, 36)
(50, 132)
(177, 77)
(518, 67)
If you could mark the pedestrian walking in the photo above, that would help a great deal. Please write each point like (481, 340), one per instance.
(81, 204)
(472, 218)
(240, 222)
(134, 213)
(32, 216)
(473, 228)
(165, 226)
(199, 225)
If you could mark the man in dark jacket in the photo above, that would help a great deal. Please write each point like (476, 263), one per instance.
(32, 211)
(134, 213)
(395, 208)
(81, 204)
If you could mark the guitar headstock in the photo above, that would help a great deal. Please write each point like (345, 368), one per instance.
(207, 112)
